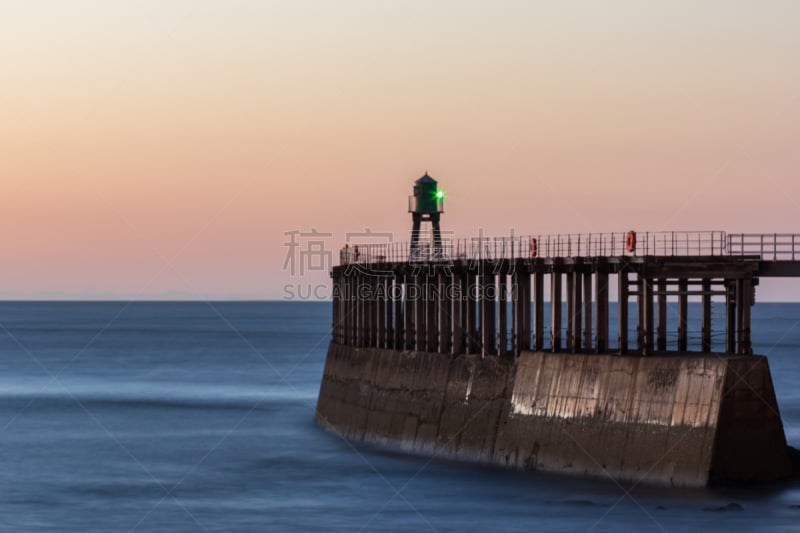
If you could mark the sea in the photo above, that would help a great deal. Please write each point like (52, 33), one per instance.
(199, 416)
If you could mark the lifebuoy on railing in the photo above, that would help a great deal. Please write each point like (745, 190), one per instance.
(630, 241)
(533, 247)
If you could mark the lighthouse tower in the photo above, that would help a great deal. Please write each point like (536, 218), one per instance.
(426, 205)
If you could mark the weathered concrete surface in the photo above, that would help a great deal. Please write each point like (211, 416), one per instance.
(420, 402)
(750, 440)
(681, 420)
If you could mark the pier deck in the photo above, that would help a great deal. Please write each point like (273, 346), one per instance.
(495, 295)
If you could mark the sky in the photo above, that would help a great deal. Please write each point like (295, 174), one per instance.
(173, 149)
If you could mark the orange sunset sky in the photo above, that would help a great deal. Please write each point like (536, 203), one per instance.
(162, 149)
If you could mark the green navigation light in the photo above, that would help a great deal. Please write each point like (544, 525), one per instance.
(439, 195)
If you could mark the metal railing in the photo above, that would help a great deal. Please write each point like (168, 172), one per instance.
(663, 243)
(768, 246)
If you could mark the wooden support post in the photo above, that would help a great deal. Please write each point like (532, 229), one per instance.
(465, 304)
(516, 311)
(378, 311)
(353, 318)
(367, 292)
(649, 329)
(480, 300)
(587, 311)
(640, 315)
(706, 316)
(375, 304)
(420, 306)
(366, 310)
(739, 316)
(661, 340)
(372, 311)
(502, 322)
(601, 316)
(488, 304)
(555, 309)
(641, 320)
(389, 303)
(524, 294)
(335, 318)
(571, 311)
(363, 321)
(445, 305)
(374, 307)
(746, 302)
(733, 295)
(683, 287)
(622, 312)
(473, 301)
(410, 314)
(399, 319)
(432, 325)
(577, 310)
(341, 311)
(380, 338)
(458, 293)
(359, 310)
(363, 310)
(538, 311)
(361, 290)
(350, 312)
(348, 316)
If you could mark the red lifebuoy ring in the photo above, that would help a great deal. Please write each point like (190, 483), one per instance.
(630, 241)
(533, 248)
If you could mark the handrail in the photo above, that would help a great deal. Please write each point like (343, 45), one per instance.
(663, 243)
(768, 246)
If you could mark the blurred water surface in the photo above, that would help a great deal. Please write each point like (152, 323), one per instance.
(199, 416)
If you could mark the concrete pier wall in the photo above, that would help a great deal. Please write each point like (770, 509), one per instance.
(678, 420)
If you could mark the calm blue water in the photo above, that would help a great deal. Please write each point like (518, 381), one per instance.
(195, 416)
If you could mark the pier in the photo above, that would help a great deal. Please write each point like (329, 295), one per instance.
(487, 295)
(510, 351)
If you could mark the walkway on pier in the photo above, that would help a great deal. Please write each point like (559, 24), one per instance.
(779, 252)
